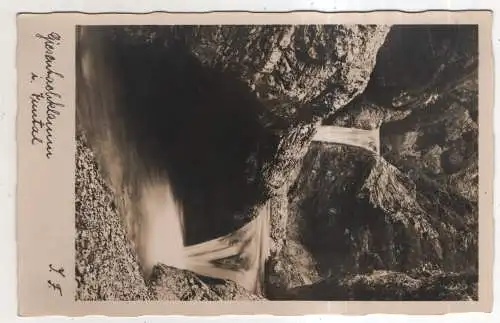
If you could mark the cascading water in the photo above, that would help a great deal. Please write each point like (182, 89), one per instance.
(160, 238)
(151, 213)
(138, 140)
(367, 139)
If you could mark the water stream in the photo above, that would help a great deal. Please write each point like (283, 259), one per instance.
(152, 212)
(189, 224)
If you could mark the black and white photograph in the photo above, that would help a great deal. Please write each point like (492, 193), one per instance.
(276, 162)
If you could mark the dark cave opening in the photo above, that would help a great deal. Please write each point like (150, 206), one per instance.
(198, 126)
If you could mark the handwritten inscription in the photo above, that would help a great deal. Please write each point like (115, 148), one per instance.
(60, 271)
(46, 104)
(36, 122)
(56, 286)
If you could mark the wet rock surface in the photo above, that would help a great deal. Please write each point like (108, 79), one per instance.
(392, 286)
(412, 209)
(184, 89)
(226, 112)
(107, 266)
(345, 224)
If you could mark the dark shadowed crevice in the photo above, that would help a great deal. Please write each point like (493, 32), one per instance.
(197, 126)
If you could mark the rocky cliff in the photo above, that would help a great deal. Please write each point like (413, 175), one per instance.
(107, 267)
(413, 210)
(229, 114)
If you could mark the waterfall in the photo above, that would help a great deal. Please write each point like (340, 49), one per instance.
(367, 139)
(153, 216)
(160, 236)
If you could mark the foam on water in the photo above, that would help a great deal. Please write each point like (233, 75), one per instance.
(161, 230)
(153, 217)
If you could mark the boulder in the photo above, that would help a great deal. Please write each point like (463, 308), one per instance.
(415, 205)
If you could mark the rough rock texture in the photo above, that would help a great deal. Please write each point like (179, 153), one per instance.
(392, 286)
(342, 218)
(415, 207)
(168, 283)
(300, 74)
(183, 89)
(107, 266)
(266, 86)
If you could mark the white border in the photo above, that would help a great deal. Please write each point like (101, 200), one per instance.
(8, 9)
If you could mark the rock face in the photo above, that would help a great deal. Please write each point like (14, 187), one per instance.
(345, 224)
(300, 73)
(107, 267)
(392, 286)
(227, 113)
(267, 86)
(414, 208)
(171, 284)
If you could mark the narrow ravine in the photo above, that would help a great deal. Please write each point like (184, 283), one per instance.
(153, 213)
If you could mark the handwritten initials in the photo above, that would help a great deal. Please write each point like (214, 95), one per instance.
(53, 285)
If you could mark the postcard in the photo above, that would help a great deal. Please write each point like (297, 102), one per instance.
(255, 163)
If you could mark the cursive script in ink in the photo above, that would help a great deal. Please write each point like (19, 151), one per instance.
(36, 122)
(51, 96)
(55, 285)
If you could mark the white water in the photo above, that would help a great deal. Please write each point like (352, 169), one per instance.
(252, 246)
(160, 241)
(152, 216)
(367, 139)
(160, 231)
